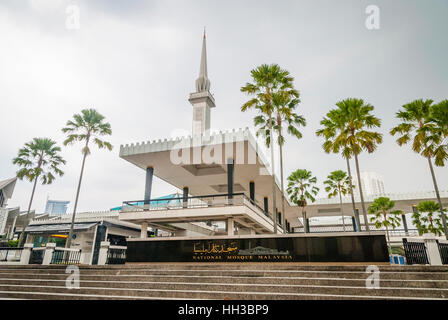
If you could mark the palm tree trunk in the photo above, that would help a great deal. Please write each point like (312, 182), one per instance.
(283, 190)
(358, 222)
(388, 240)
(364, 213)
(436, 188)
(69, 239)
(342, 213)
(28, 212)
(274, 202)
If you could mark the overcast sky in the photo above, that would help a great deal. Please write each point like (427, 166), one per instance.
(136, 63)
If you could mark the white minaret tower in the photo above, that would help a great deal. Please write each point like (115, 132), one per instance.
(202, 100)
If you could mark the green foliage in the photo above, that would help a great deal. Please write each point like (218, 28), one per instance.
(87, 126)
(424, 125)
(39, 158)
(383, 215)
(13, 243)
(301, 187)
(345, 129)
(337, 183)
(397, 250)
(427, 218)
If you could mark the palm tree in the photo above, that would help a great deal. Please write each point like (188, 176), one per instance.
(439, 136)
(39, 158)
(350, 133)
(301, 187)
(419, 125)
(384, 216)
(333, 125)
(338, 184)
(87, 126)
(267, 81)
(285, 104)
(427, 223)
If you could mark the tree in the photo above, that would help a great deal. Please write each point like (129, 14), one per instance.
(267, 81)
(423, 125)
(284, 104)
(350, 134)
(384, 216)
(39, 158)
(333, 125)
(425, 220)
(301, 187)
(338, 184)
(85, 127)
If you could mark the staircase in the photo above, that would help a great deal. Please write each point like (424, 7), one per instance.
(223, 281)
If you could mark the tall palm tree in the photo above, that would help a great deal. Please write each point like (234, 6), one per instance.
(86, 127)
(384, 216)
(439, 136)
(356, 137)
(285, 104)
(419, 126)
(338, 184)
(39, 158)
(333, 125)
(267, 81)
(302, 187)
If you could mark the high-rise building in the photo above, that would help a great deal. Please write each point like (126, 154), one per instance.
(371, 182)
(56, 207)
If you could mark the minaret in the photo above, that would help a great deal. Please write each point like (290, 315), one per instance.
(202, 100)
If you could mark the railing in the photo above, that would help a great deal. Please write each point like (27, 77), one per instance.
(349, 228)
(66, 256)
(37, 255)
(5, 253)
(116, 255)
(179, 203)
(415, 252)
(443, 249)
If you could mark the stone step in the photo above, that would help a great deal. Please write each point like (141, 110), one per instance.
(243, 266)
(143, 287)
(442, 284)
(247, 273)
(33, 292)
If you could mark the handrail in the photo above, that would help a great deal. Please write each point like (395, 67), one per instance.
(187, 198)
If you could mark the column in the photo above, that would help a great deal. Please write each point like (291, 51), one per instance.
(307, 224)
(104, 249)
(26, 253)
(266, 206)
(354, 224)
(230, 169)
(432, 249)
(148, 185)
(185, 197)
(230, 227)
(405, 224)
(144, 231)
(13, 227)
(252, 191)
(48, 255)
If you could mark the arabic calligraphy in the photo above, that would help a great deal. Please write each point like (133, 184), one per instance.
(214, 248)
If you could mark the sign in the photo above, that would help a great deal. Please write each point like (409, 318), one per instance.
(345, 248)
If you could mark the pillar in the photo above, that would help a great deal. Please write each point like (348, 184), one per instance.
(405, 224)
(354, 224)
(358, 220)
(279, 219)
(48, 255)
(26, 253)
(13, 227)
(252, 191)
(144, 231)
(104, 249)
(307, 224)
(230, 169)
(185, 197)
(432, 249)
(230, 227)
(148, 184)
(266, 206)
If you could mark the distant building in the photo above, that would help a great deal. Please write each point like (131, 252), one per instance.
(371, 182)
(56, 207)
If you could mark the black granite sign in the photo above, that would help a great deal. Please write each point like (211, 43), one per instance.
(347, 248)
